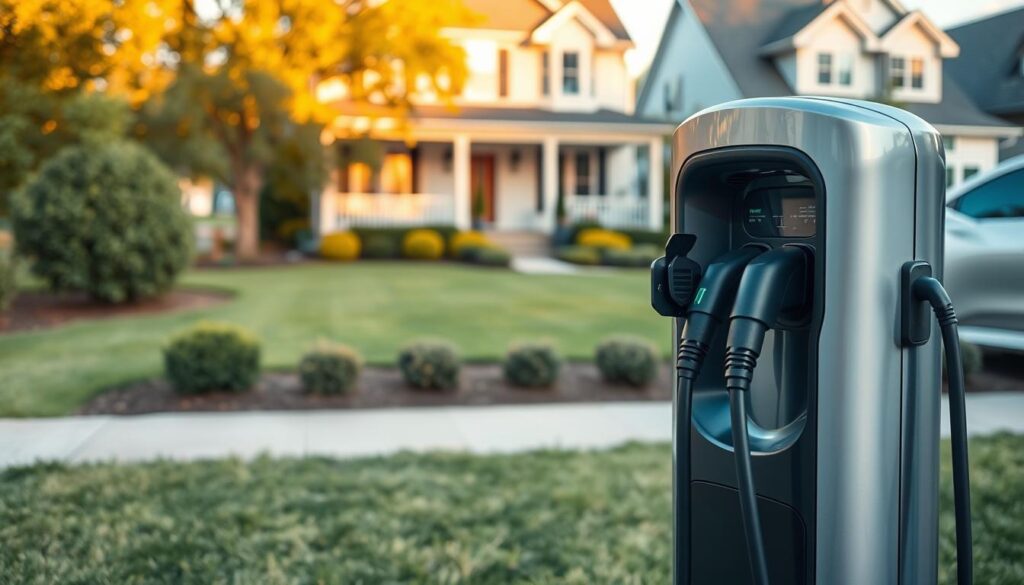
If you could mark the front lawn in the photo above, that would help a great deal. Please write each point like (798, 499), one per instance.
(375, 307)
(547, 517)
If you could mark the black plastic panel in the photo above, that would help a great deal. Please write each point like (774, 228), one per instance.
(719, 553)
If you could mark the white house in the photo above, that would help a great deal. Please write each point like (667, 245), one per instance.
(718, 50)
(547, 113)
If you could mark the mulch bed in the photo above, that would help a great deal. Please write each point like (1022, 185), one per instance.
(378, 388)
(481, 384)
(41, 310)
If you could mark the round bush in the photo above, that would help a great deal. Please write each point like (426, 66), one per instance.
(467, 239)
(580, 255)
(430, 365)
(343, 246)
(106, 220)
(627, 360)
(423, 245)
(532, 365)
(212, 357)
(330, 369)
(603, 239)
(380, 247)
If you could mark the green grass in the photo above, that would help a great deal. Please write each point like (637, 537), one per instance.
(374, 307)
(546, 517)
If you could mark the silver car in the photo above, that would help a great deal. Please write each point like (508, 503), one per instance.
(985, 256)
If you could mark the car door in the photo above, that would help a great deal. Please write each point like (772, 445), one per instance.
(989, 273)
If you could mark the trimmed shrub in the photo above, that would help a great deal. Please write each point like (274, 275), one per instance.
(330, 368)
(467, 239)
(397, 234)
(105, 219)
(8, 281)
(580, 255)
(646, 237)
(571, 232)
(603, 239)
(627, 360)
(493, 257)
(484, 255)
(430, 365)
(343, 246)
(532, 365)
(635, 257)
(380, 247)
(423, 245)
(212, 357)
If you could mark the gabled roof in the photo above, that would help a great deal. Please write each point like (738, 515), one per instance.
(989, 64)
(948, 49)
(527, 15)
(804, 21)
(739, 29)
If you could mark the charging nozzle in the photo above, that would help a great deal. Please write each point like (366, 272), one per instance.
(773, 284)
(710, 307)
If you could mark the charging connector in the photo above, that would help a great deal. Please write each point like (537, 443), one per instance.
(921, 289)
(773, 284)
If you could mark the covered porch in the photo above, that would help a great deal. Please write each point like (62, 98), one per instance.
(503, 182)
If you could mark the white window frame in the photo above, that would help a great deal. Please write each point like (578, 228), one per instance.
(575, 73)
(902, 76)
(844, 71)
(826, 65)
(910, 72)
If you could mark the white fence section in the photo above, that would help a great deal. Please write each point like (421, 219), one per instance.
(608, 211)
(346, 210)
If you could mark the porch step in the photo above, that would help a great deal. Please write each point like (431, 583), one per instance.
(522, 244)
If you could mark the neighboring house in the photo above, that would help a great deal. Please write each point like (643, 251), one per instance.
(719, 50)
(991, 68)
(547, 113)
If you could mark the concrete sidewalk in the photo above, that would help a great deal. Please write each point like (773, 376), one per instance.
(354, 433)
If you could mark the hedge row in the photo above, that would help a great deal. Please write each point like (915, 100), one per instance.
(595, 246)
(219, 357)
(430, 243)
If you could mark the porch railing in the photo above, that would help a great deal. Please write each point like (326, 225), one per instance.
(610, 212)
(346, 210)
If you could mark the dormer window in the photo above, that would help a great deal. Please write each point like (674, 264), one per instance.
(571, 73)
(901, 77)
(824, 68)
(917, 73)
(846, 69)
(897, 72)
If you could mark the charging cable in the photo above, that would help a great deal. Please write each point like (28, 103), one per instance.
(930, 290)
(773, 283)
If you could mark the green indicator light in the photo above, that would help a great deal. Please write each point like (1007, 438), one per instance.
(700, 295)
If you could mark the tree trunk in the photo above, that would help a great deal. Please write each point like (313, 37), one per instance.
(247, 184)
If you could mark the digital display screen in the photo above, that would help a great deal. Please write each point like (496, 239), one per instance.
(785, 212)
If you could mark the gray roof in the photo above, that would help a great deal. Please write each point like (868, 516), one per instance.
(739, 28)
(989, 64)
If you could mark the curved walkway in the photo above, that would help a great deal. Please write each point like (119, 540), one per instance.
(355, 433)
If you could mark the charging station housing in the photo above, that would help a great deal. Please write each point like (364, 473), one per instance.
(845, 429)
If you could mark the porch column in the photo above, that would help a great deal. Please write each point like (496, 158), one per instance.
(656, 185)
(550, 187)
(463, 201)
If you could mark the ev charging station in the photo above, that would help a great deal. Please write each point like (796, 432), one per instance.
(806, 235)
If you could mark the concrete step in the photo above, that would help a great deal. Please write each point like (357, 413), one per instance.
(522, 244)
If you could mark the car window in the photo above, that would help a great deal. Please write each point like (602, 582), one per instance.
(999, 198)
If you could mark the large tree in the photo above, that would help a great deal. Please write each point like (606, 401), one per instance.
(247, 75)
(221, 83)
